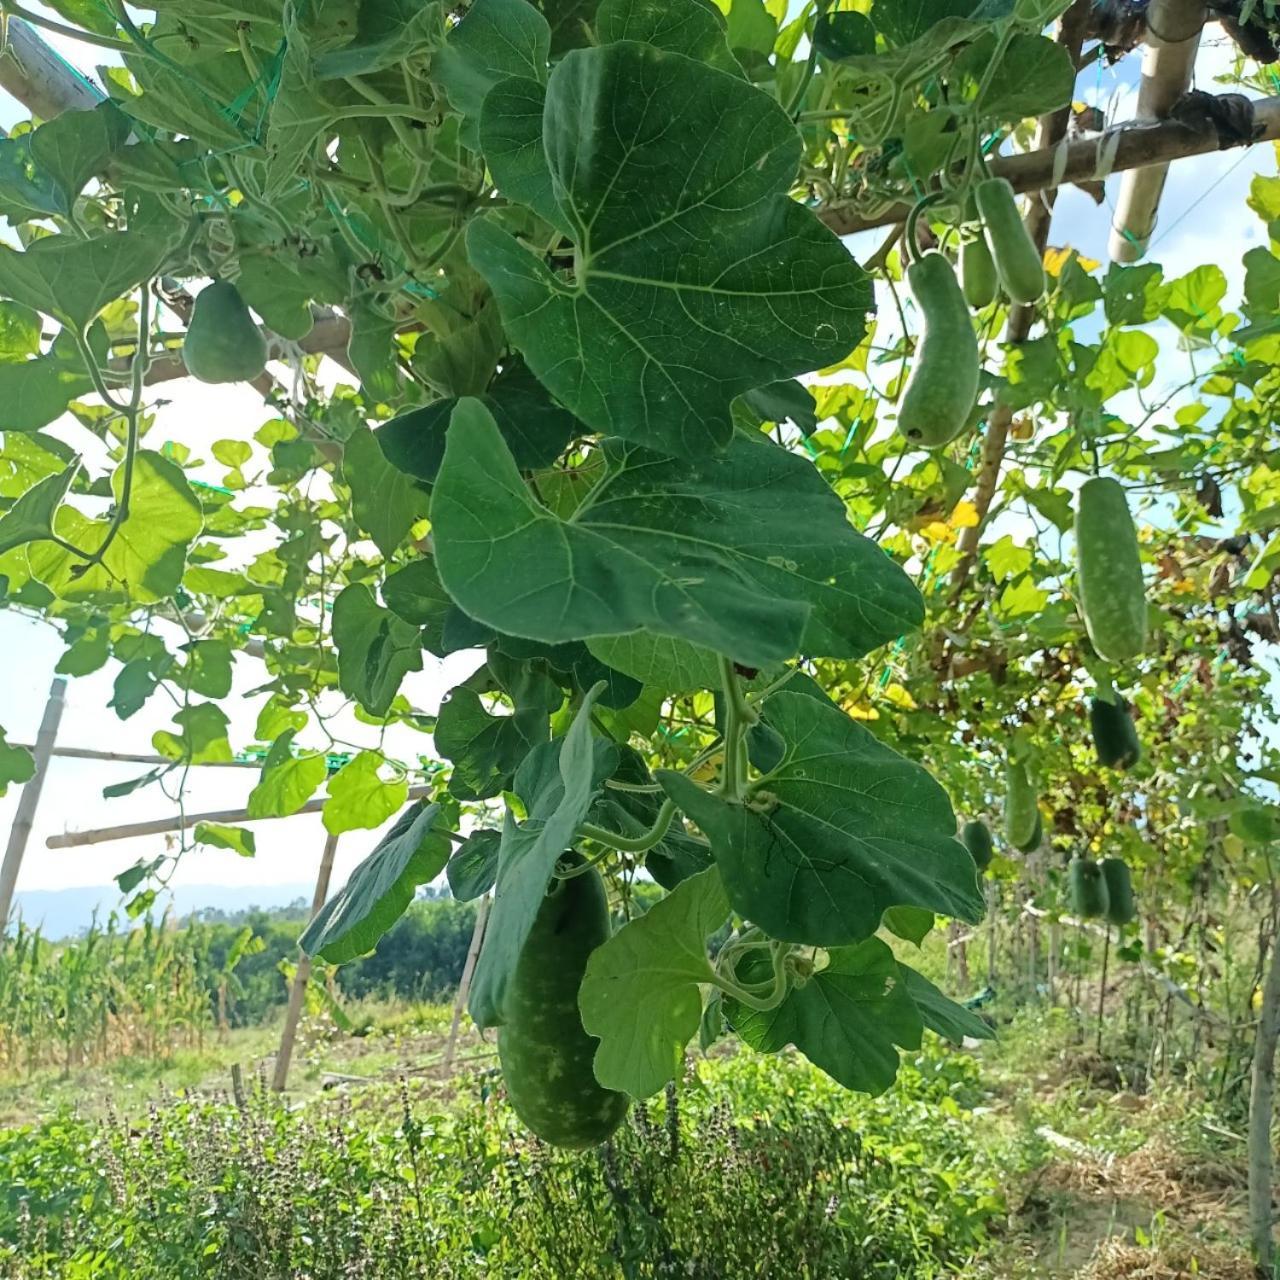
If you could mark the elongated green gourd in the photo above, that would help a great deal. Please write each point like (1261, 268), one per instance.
(977, 839)
(1120, 906)
(1114, 737)
(977, 272)
(545, 1052)
(1086, 889)
(1018, 262)
(1021, 813)
(222, 343)
(944, 378)
(1033, 840)
(1113, 598)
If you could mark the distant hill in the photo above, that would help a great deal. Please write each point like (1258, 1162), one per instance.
(63, 913)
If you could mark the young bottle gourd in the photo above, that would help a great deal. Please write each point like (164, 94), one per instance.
(545, 1052)
(1018, 264)
(944, 376)
(1114, 737)
(222, 343)
(1022, 825)
(1086, 889)
(1112, 596)
(1120, 905)
(977, 839)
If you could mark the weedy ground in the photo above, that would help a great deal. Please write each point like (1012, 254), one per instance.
(1031, 1157)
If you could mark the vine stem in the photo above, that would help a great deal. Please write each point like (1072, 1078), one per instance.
(632, 844)
(137, 382)
(777, 993)
(11, 10)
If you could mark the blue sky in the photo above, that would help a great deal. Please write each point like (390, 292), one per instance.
(1203, 218)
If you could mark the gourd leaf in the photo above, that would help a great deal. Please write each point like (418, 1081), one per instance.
(359, 798)
(942, 1015)
(747, 553)
(677, 230)
(849, 1017)
(845, 829)
(474, 865)
(379, 889)
(376, 648)
(640, 994)
(287, 781)
(30, 519)
(557, 782)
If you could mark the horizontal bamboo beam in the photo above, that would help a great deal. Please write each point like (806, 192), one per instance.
(179, 821)
(1127, 146)
(44, 82)
(127, 757)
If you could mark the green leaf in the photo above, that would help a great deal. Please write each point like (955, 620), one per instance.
(557, 783)
(75, 146)
(388, 32)
(849, 1018)
(844, 35)
(845, 829)
(208, 669)
(88, 654)
(751, 27)
(1132, 295)
(359, 798)
(692, 27)
(379, 889)
(786, 401)
(287, 781)
(674, 227)
(535, 428)
(376, 649)
(473, 868)
(943, 1016)
(73, 279)
(19, 331)
(910, 923)
(384, 501)
(36, 392)
(203, 739)
(237, 839)
(511, 139)
(415, 594)
(1035, 76)
(485, 749)
(1191, 301)
(146, 558)
(748, 553)
(30, 519)
(902, 21)
(640, 994)
(496, 40)
(16, 764)
(670, 664)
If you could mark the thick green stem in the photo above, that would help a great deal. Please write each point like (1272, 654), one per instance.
(632, 844)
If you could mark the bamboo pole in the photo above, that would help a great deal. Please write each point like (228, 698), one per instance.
(44, 82)
(128, 757)
(464, 984)
(1173, 40)
(301, 975)
(23, 820)
(1261, 1101)
(178, 822)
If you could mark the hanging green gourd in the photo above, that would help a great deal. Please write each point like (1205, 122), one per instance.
(977, 270)
(977, 839)
(222, 343)
(1021, 814)
(1112, 595)
(1033, 841)
(1120, 905)
(1017, 260)
(943, 384)
(1114, 736)
(1086, 889)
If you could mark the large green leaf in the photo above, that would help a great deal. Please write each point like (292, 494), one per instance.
(73, 279)
(384, 500)
(379, 889)
(203, 739)
(473, 866)
(376, 648)
(748, 553)
(849, 1018)
(147, 556)
(941, 1015)
(679, 230)
(670, 664)
(388, 32)
(30, 519)
(557, 783)
(843, 829)
(640, 994)
(287, 781)
(359, 797)
(16, 764)
(535, 428)
(692, 27)
(496, 40)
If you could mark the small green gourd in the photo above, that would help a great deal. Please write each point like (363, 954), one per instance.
(1120, 905)
(222, 342)
(1087, 889)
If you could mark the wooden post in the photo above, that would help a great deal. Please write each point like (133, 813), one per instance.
(28, 800)
(298, 991)
(1261, 1099)
(1055, 949)
(464, 984)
